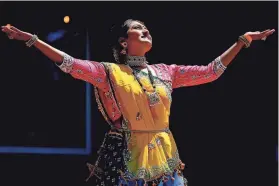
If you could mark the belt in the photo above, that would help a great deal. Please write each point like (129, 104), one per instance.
(167, 130)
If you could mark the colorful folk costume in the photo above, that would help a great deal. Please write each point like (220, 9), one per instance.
(139, 149)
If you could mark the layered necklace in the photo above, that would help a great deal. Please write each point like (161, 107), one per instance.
(140, 61)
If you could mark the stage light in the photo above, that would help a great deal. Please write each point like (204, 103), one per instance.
(66, 19)
(8, 25)
(53, 36)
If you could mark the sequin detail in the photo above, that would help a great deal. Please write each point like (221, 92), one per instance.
(67, 64)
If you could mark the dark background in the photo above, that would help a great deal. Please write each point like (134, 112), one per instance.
(226, 131)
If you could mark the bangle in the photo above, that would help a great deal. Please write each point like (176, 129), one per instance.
(218, 66)
(246, 39)
(31, 41)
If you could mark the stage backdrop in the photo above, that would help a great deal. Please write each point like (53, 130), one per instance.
(226, 131)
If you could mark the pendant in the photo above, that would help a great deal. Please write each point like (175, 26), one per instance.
(153, 98)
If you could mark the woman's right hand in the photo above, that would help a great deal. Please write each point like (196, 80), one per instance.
(14, 33)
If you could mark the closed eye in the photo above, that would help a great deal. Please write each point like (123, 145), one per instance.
(137, 27)
(141, 27)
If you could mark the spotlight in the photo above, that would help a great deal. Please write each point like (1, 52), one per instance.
(66, 19)
(53, 36)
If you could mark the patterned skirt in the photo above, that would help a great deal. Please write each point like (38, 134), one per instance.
(110, 165)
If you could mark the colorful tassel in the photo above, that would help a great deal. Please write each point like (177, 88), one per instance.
(182, 166)
(165, 179)
(179, 173)
(145, 184)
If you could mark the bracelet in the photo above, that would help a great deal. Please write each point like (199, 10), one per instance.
(246, 39)
(219, 63)
(218, 66)
(31, 41)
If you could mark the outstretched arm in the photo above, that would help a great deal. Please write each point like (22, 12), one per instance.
(230, 54)
(183, 75)
(90, 71)
(52, 53)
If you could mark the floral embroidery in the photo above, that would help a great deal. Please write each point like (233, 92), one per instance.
(151, 146)
(158, 80)
(67, 64)
(158, 141)
(101, 107)
(99, 80)
(155, 171)
(182, 71)
(195, 75)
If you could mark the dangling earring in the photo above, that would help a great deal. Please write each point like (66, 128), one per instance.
(123, 51)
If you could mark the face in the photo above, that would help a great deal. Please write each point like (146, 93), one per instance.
(139, 37)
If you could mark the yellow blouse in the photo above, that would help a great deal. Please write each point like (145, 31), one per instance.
(151, 145)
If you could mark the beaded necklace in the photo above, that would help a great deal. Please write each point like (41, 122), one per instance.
(138, 61)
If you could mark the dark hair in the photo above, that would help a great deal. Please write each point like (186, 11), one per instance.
(118, 31)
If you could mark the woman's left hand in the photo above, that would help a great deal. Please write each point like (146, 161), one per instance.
(260, 35)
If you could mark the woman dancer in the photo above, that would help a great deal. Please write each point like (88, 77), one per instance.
(135, 98)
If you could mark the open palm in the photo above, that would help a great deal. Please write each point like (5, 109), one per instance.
(260, 35)
(14, 33)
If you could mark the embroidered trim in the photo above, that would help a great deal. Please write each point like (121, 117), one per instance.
(101, 107)
(109, 94)
(168, 84)
(158, 80)
(218, 66)
(67, 64)
(154, 172)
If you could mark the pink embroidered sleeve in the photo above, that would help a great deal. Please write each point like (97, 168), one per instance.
(187, 75)
(89, 71)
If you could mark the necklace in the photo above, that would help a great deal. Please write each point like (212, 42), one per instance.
(153, 97)
(136, 61)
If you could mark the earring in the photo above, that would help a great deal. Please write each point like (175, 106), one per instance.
(123, 51)
(124, 44)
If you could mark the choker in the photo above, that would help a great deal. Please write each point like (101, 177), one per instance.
(136, 61)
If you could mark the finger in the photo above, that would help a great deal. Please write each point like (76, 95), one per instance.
(15, 29)
(263, 32)
(6, 29)
(269, 33)
(9, 32)
(272, 31)
(10, 37)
